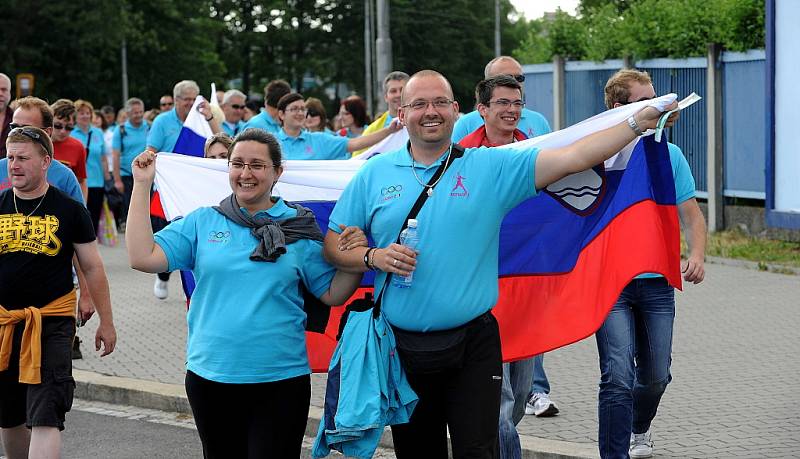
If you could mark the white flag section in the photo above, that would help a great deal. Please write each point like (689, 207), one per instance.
(186, 183)
(394, 142)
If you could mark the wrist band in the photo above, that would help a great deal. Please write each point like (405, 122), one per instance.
(634, 125)
(372, 259)
(366, 258)
(211, 118)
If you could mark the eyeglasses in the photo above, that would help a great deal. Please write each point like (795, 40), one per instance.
(421, 104)
(29, 132)
(237, 107)
(254, 167)
(66, 127)
(297, 110)
(519, 78)
(505, 103)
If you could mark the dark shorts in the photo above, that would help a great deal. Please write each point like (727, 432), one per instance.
(45, 404)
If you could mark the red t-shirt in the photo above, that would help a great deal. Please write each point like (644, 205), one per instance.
(478, 138)
(71, 153)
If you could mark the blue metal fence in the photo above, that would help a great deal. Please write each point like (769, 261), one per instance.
(743, 109)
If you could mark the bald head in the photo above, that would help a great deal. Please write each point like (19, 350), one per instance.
(423, 78)
(502, 65)
(5, 91)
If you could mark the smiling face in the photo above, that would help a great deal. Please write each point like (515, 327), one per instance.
(430, 124)
(184, 102)
(394, 89)
(84, 117)
(504, 119)
(294, 117)
(252, 188)
(234, 109)
(217, 151)
(345, 118)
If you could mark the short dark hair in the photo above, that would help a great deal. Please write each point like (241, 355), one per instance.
(63, 108)
(355, 106)
(274, 90)
(108, 109)
(288, 99)
(485, 88)
(263, 137)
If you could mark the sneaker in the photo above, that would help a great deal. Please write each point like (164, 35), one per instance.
(76, 349)
(641, 445)
(540, 405)
(160, 289)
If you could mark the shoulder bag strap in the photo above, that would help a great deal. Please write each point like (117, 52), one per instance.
(458, 151)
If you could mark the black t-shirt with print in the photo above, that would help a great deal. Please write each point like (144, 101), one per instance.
(36, 251)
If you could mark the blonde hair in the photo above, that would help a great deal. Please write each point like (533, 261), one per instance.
(19, 135)
(80, 104)
(617, 88)
(220, 138)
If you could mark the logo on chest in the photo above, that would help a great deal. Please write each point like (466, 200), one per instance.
(391, 192)
(309, 150)
(219, 237)
(459, 189)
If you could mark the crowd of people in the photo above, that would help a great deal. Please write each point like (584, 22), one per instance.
(268, 266)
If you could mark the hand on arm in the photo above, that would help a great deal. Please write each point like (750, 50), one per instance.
(366, 141)
(694, 228)
(92, 265)
(556, 163)
(144, 254)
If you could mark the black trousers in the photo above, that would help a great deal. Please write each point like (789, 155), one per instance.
(94, 203)
(467, 400)
(250, 421)
(127, 183)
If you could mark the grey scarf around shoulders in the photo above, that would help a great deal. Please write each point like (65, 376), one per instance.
(273, 236)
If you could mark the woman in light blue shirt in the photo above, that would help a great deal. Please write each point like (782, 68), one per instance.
(247, 372)
(96, 163)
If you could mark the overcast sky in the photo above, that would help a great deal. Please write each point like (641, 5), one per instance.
(534, 9)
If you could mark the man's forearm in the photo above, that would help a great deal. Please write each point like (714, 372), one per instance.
(98, 288)
(366, 141)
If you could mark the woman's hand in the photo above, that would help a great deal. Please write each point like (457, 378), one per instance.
(351, 237)
(143, 168)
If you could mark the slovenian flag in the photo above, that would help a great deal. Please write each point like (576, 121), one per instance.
(195, 131)
(565, 255)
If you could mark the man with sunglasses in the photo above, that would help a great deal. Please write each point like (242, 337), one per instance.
(166, 103)
(43, 230)
(5, 111)
(68, 150)
(531, 123)
(233, 107)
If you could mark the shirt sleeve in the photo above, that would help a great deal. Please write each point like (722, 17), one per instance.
(514, 173)
(684, 182)
(116, 143)
(179, 242)
(351, 208)
(461, 128)
(315, 272)
(336, 147)
(70, 185)
(155, 138)
(84, 229)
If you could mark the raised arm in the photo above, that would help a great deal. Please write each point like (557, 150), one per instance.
(143, 252)
(556, 163)
(366, 141)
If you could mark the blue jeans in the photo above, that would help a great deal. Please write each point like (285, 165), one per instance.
(540, 383)
(516, 381)
(634, 345)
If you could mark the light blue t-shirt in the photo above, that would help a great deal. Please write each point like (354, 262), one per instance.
(58, 175)
(263, 121)
(96, 160)
(246, 321)
(531, 123)
(459, 228)
(165, 131)
(313, 145)
(684, 186)
(232, 129)
(130, 145)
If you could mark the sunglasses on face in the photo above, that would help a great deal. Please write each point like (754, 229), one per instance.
(167, 104)
(310, 113)
(66, 127)
(237, 107)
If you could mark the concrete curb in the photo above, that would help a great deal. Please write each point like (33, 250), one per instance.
(758, 266)
(172, 398)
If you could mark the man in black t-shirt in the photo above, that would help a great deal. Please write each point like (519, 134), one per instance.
(40, 230)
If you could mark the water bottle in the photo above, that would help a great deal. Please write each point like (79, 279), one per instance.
(410, 239)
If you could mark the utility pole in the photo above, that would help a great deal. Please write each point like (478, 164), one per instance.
(124, 59)
(496, 28)
(368, 83)
(383, 47)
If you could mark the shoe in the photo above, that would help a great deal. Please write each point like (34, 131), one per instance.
(540, 405)
(160, 289)
(641, 445)
(76, 349)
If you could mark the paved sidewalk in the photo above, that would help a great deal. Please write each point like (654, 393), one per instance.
(736, 374)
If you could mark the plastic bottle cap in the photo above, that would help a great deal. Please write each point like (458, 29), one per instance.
(412, 222)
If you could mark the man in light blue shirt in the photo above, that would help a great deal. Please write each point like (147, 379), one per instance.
(268, 118)
(531, 123)
(297, 143)
(455, 264)
(128, 140)
(167, 126)
(233, 107)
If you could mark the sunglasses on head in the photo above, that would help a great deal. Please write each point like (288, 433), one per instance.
(520, 78)
(31, 133)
